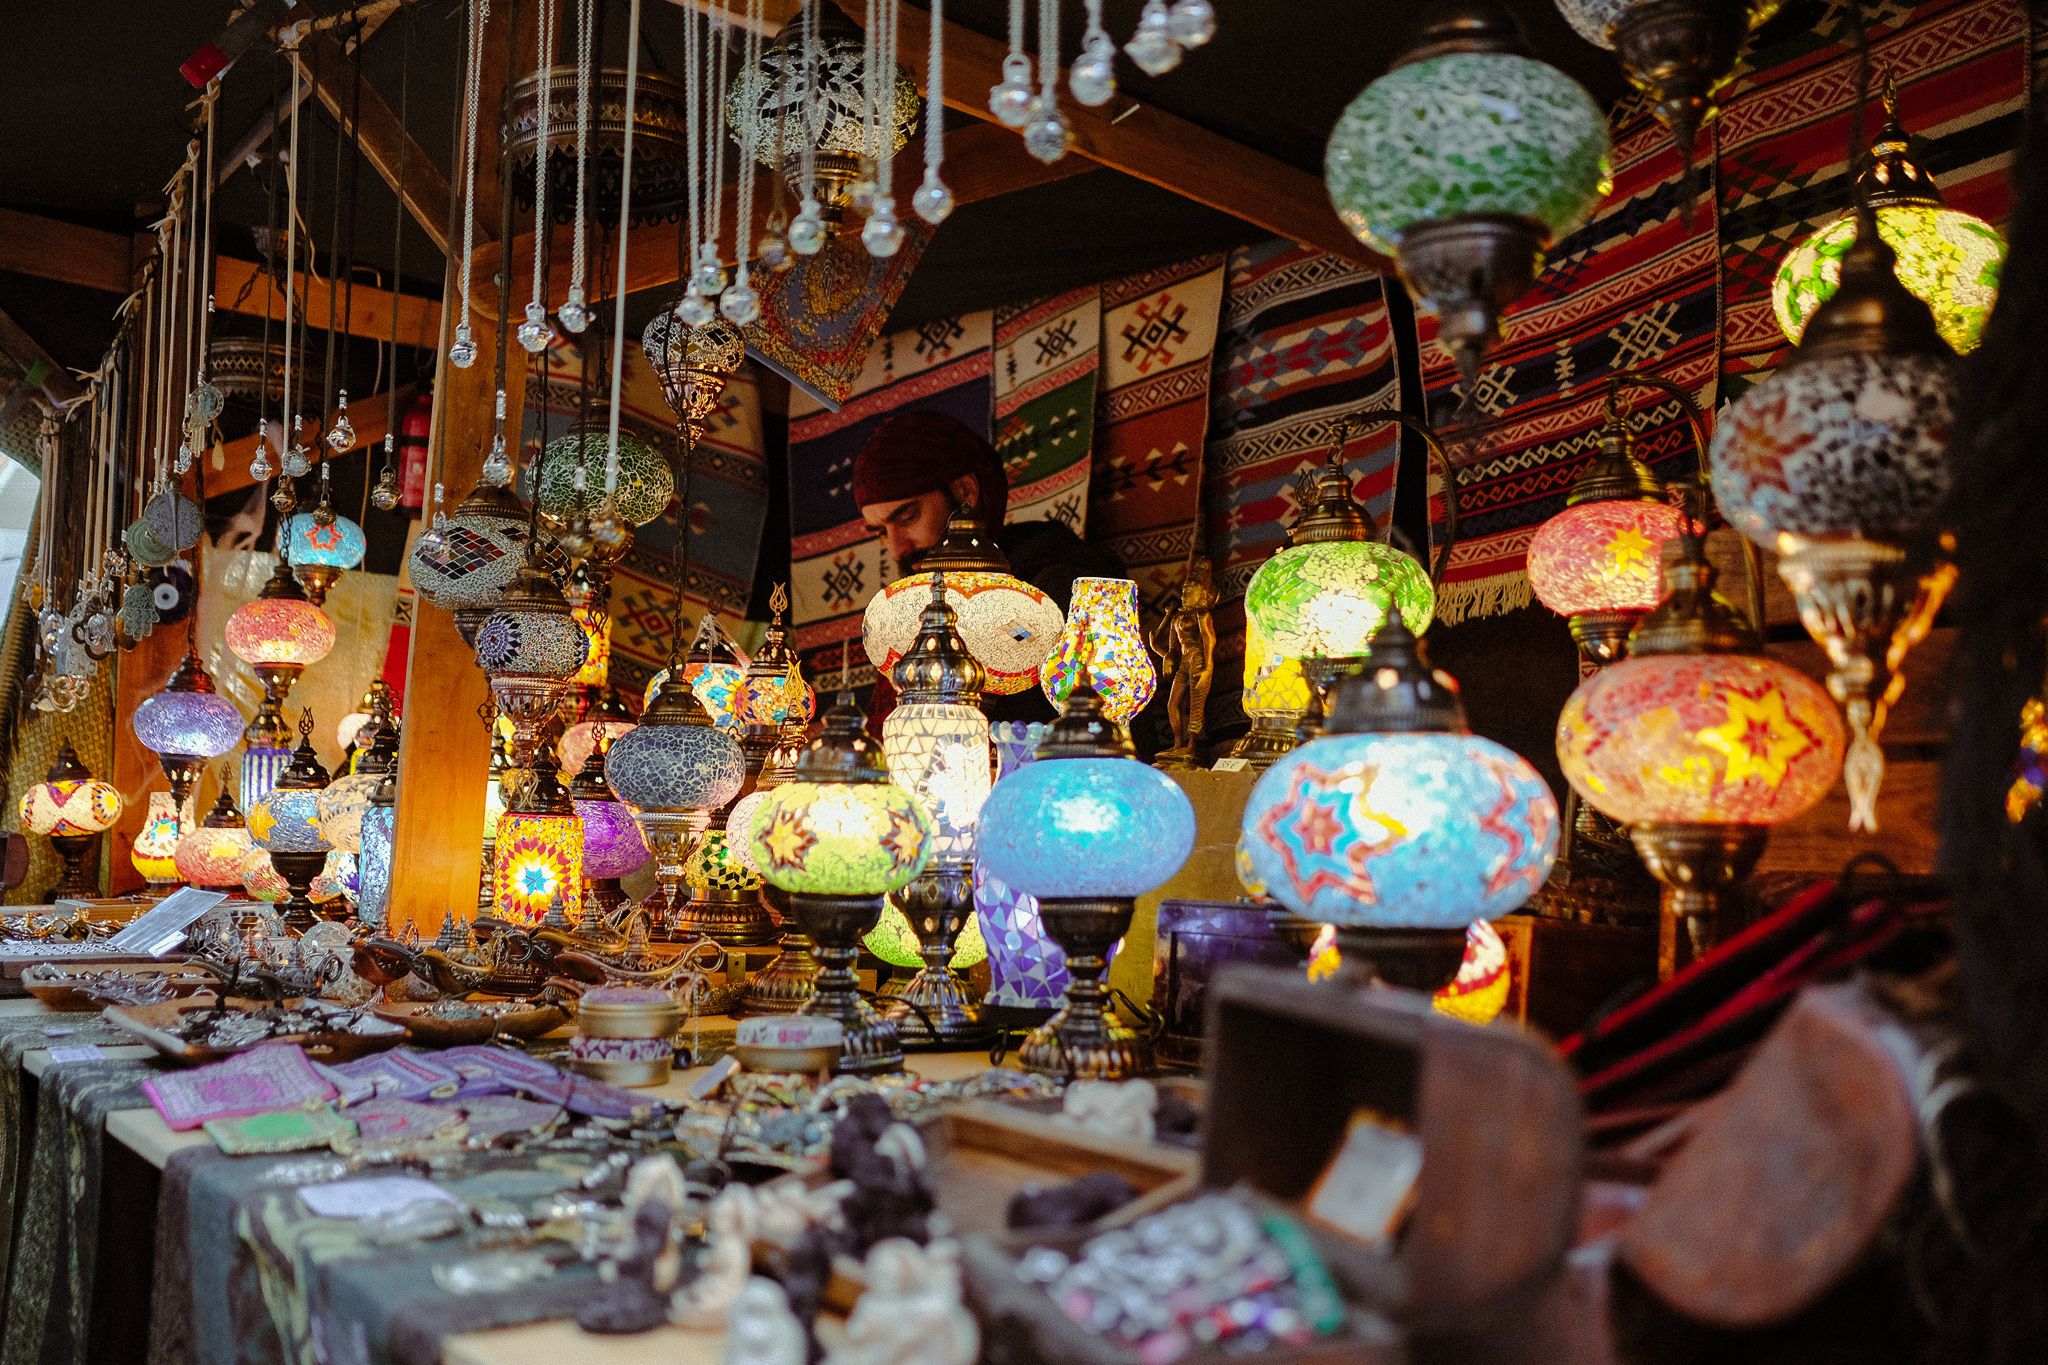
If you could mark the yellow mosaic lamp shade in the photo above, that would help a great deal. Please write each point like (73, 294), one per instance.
(1949, 260)
(596, 623)
(1102, 632)
(155, 852)
(895, 942)
(537, 858)
(938, 752)
(70, 806)
(1719, 739)
(1007, 625)
(1480, 992)
(714, 865)
(1274, 684)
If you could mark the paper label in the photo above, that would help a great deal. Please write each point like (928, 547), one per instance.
(83, 1052)
(161, 928)
(1369, 1185)
(373, 1197)
(1229, 765)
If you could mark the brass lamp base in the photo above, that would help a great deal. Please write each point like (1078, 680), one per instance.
(785, 984)
(78, 881)
(731, 919)
(1680, 53)
(1469, 268)
(298, 871)
(836, 924)
(1424, 960)
(1270, 739)
(1697, 863)
(1602, 636)
(935, 1009)
(1086, 1041)
(318, 580)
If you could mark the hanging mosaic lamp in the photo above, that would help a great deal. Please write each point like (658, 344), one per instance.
(594, 619)
(1597, 562)
(1103, 637)
(773, 695)
(839, 837)
(809, 93)
(645, 481)
(376, 707)
(155, 850)
(674, 769)
(1679, 53)
(936, 743)
(465, 562)
(1328, 592)
(538, 863)
(280, 633)
(286, 824)
(320, 553)
(1698, 743)
(693, 364)
(211, 854)
(1009, 626)
(71, 808)
(1087, 829)
(1464, 163)
(529, 646)
(612, 846)
(1948, 259)
(186, 724)
(1839, 463)
(1399, 825)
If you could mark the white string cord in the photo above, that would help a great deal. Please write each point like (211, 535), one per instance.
(611, 460)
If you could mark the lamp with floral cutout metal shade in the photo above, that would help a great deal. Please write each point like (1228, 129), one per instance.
(936, 743)
(1328, 591)
(1698, 743)
(1087, 829)
(72, 809)
(839, 837)
(1398, 825)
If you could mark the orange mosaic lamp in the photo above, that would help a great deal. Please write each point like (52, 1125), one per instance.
(1699, 743)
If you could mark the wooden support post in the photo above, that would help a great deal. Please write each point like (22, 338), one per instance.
(444, 761)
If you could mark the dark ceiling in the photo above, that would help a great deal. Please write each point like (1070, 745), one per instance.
(101, 121)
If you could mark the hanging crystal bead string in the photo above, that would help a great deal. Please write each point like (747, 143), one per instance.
(739, 303)
(694, 308)
(933, 201)
(611, 454)
(1046, 134)
(291, 455)
(575, 310)
(707, 275)
(1010, 99)
(807, 230)
(1092, 78)
(384, 497)
(882, 234)
(462, 354)
(497, 469)
(533, 333)
(341, 436)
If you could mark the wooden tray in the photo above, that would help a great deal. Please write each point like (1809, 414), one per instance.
(63, 995)
(523, 1022)
(154, 1024)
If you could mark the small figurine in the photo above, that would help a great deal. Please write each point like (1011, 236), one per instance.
(722, 1271)
(763, 1330)
(1185, 642)
(641, 1269)
(913, 1311)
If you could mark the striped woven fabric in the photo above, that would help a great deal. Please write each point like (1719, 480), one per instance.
(1047, 363)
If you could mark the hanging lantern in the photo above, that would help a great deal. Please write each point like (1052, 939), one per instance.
(810, 95)
(1464, 163)
(773, 693)
(529, 646)
(936, 745)
(1699, 743)
(1680, 53)
(645, 481)
(320, 553)
(1328, 592)
(1006, 624)
(71, 808)
(1399, 825)
(286, 824)
(155, 850)
(211, 854)
(694, 364)
(1839, 462)
(186, 724)
(539, 864)
(839, 837)
(1948, 259)
(279, 634)
(1597, 561)
(595, 621)
(661, 151)
(1102, 635)
(612, 846)
(465, 562)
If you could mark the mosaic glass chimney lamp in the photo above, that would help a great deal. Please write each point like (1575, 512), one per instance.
(1399, 826)
(936, 743)
(773, 694)
(279, 633)
(1102, 637)
(186, 724)
(211, 854)
(1680, 53)
(1464, 163)
(285, 822)
(1698, 743)
(839, 837)
(1327, 593)
(612, 846)
(674, 769)
(1087, 829)
(72, 809)
(154, 852)
(320, 552)
(529, 647)
(373, 861)
(1839, 462)
(1008, 626)
(1948, 259)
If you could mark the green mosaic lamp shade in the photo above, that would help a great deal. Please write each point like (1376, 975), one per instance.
(840, 838)
(1328, 599)
(713, 865)
(1949, 260)
(1463, 134)
(895, 942)
(645, 481)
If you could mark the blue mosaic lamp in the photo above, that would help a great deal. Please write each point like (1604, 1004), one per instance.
(286, 823)
(186, 724)
(321, 546)
(1399, 826)
(1086, 829)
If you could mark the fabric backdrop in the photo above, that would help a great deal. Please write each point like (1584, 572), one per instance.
(1048, 358)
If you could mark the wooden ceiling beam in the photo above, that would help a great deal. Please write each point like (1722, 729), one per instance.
(1147, 144)
(50, 250)
(246, 287)
(982, 162)
(386, 145)
(249, 149)
(57, 384)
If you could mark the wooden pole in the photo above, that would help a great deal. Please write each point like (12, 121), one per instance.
(444, 761)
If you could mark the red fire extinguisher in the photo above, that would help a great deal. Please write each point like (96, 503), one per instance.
(412, 451)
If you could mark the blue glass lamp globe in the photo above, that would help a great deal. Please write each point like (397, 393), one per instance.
(1082, 828)
(673, 760)
(188, 719)
(339, 544)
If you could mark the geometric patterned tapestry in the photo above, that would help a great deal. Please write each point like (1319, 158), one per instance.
(1634, 288)
(1145, 495)
(1784, 134)
(1048, 357)
(837, 564)
(1305, 339)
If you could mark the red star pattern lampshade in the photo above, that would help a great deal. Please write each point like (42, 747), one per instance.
(1602, 556)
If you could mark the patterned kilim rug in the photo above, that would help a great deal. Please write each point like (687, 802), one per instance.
(728, 503)
(819, 320)
(1047, 362)
(836, 563)
(1784, 137)
(1305, 339)
(1158, 340)
(1632, 289)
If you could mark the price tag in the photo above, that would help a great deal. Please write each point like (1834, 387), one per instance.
(83, 1052)
(1229, 765)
